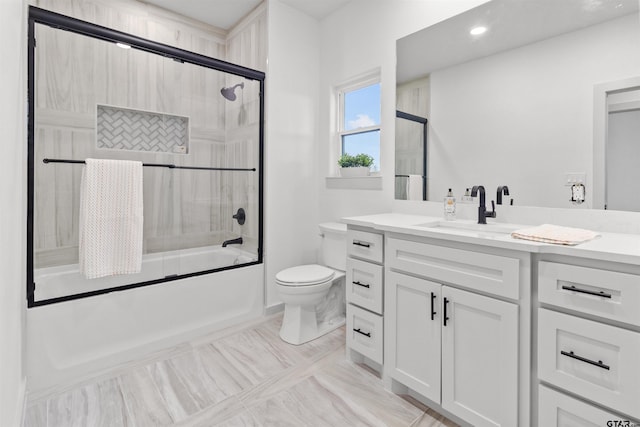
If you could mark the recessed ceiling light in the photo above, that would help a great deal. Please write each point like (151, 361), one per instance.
(123, 46)
(476, 31)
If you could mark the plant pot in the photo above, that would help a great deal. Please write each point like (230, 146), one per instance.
(354, 172)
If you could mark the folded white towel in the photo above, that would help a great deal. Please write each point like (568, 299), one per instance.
(111, 218)
(547, 233)
(414, 187)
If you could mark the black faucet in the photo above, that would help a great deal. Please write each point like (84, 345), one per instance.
(237, 241)
(499, 194)
(482, 210)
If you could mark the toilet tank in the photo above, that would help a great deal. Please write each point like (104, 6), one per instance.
(334, 245)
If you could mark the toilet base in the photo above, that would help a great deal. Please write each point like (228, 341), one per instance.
(299, 325)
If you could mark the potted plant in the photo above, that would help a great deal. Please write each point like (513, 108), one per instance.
(353, 166)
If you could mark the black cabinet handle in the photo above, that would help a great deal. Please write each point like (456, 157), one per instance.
(599, 363)
(366, 334)
(433, 310)
(364, 285)
(445, 317)
(364, 245)
(585, 291)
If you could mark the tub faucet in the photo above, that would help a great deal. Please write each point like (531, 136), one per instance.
(482, 209)
(237, 241)
(499, 194)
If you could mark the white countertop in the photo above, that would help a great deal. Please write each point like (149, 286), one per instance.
(614, 247)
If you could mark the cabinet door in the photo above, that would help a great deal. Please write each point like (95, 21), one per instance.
(479, 358)
(412, 333)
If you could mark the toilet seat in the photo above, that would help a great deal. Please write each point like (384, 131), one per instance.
(304, 275)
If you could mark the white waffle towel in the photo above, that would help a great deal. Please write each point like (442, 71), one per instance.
(547, 233)
(414, 187)
(111, 220)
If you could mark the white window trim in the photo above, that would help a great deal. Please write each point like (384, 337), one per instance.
(355, 83)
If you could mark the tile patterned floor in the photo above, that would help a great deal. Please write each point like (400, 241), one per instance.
(244, 376)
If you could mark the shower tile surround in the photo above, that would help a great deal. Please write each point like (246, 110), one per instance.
(182, 208)
(244, 375)
(126, 129)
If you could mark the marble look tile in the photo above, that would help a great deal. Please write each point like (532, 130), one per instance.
(36, 415)
(313, 401)
(145, 405)
(252, 355)
(365, 389)
(245, 419)
(208, 377)
(275, 412)
(179, 402)
(432, 419)
(215, 415)
(287, 379)
(309, 350)
(100, 404)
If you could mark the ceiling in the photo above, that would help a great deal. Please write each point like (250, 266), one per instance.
(510, 24)
(226, 13)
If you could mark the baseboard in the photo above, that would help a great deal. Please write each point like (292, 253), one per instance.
(273, 309)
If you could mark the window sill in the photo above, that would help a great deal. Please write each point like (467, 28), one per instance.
(373, 182)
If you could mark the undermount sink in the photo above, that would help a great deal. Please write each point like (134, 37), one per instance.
(471, 227)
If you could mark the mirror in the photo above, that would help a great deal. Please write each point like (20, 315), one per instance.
(515, 106)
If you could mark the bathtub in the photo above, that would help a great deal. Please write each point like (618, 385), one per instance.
(69, 341)
(65, 280)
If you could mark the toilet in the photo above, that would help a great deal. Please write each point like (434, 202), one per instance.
(313, 294)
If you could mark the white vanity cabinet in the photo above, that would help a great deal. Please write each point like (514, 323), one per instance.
(443, 339)
(588, 340)
(364, 290)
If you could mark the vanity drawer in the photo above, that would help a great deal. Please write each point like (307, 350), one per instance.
(591, 359)
(365, 245)
(608, 294)
(364, 284)
(364, 332)
(559, 410)
(494, 274)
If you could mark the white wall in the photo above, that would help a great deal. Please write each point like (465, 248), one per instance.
(524, 117)
(12, 210)
(291, 193)
(358, 38)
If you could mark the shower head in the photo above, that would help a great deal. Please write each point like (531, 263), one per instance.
(229, 92)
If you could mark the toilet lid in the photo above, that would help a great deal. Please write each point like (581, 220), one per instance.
(302, 275)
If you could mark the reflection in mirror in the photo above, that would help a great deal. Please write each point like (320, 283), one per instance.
(411, 156)
(515, 106)
(622, 150)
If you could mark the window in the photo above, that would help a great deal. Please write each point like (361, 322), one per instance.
(359, 123)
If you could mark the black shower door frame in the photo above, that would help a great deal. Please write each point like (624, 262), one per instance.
(63, 22)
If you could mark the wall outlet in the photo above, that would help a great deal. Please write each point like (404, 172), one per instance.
(573, 178)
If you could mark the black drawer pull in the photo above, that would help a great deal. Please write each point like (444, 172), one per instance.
(366, 334)
(364, 285)
(585, 291)
(433, 310)
(599, 363)
(445, 317)
(364, 245)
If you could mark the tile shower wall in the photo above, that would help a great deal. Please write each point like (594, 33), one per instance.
(183, 208)
(134, 130)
